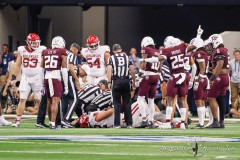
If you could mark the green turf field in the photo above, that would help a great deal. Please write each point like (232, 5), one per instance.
(105, 144)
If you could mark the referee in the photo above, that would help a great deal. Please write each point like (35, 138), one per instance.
(118, 80)
(71, 100)
(101, 102)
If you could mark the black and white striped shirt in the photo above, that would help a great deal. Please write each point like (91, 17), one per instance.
(89, 93)
(72, 59)
(120, 65)
(103, 100)
(165, 73)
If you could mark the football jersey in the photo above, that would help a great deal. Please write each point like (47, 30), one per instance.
(200, 56)
(53, 58)
(221, 54)
(187, 60)
(95, 60)
(31, 60)
(175, 58)
(151, 52)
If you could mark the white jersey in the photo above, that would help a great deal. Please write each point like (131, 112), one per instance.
(106, 123)
(31, 61)
(95, 60)
(136, 116)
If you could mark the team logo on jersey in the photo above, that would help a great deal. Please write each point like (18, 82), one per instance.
(218, 79)
(218, 50)
(199, 55)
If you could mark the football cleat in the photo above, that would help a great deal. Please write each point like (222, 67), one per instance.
(182, 126)
(41, 125)
(222, 125)
(117, 127)
(16, 125)
(51, 126)
(4, 122)
(198, 126)
(214, 125)
(66, 124)
(143, 124)
(166, 126)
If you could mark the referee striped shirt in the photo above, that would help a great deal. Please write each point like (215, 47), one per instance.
(103, 100)
(120, 63)
(165, 72)
(89, 93)
(72, 59)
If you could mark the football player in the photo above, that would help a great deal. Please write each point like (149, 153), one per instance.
(176, 84)
(148, 84)
(97, 58)
(219, 80)
(54, 63)
(201, 83)
(29, 61)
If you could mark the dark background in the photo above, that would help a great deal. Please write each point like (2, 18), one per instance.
(128, 21)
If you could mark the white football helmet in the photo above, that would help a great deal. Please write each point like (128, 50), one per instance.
(216, 40)
(177, 41)
(146, 41)
(58, 42)
(169, 42)
(198, 43)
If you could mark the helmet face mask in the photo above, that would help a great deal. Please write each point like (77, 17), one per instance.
(93, 42)
(33, 41)
(58, 42)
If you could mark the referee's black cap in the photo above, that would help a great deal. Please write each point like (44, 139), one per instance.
(105, 82)
(76, 46)
(116, 47)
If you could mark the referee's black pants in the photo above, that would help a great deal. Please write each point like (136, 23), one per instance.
(42, 111)
(121, 88)
(73, 99)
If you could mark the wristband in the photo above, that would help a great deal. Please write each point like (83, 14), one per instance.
(212, 78)
(13, 77)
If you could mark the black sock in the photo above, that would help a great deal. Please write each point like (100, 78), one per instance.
(222, 107)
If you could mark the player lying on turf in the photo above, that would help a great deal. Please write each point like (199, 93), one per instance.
(105, 118)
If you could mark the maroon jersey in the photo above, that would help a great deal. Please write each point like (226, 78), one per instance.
(53, 58)
(200, 56)
(221, 54)
(175, 58)
(151, 52)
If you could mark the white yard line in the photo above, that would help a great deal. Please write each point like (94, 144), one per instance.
(80, 153)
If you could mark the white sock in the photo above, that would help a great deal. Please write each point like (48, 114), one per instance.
(169, 111)
(210, 115)
(218, 113)
(141, 104)
(151, 109)
(18, 118)
(183, 114)
(201, 115)
(52, 123)
(1, 118)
